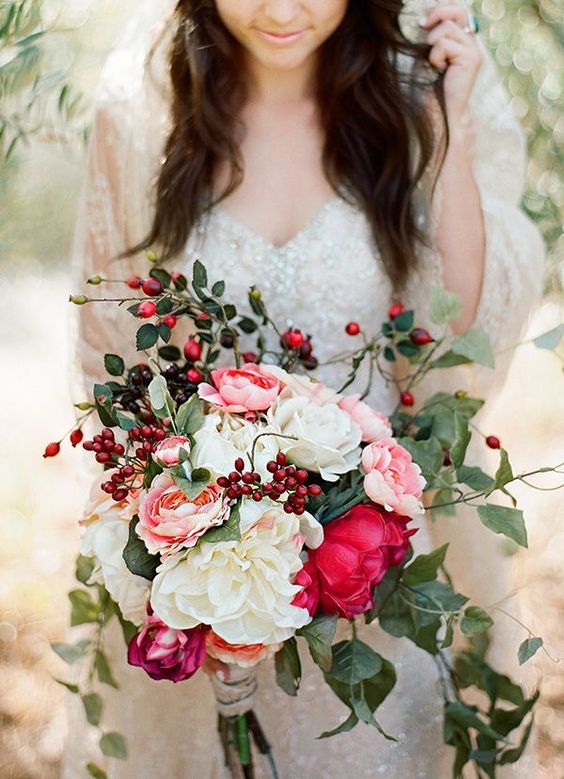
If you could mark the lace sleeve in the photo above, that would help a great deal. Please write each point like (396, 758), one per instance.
(515, 252)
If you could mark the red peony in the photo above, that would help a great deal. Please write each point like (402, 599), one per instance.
(358, 549)
(308, 578)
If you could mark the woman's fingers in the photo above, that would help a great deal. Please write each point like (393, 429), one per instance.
(444, 52)
(442, 13)
(448, 29)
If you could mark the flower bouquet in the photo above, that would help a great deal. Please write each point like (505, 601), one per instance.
(244, 507)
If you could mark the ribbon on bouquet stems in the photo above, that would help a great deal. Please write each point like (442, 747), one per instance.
(237, 723)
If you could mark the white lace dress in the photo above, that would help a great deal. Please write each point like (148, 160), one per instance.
(323, 277)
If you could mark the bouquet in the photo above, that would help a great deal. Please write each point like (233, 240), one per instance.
(244, 507)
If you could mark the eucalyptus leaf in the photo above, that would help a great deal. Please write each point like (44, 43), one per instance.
(504, 473)
(551, 339)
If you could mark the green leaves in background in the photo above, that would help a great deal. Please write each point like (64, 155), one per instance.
(528, 648)
(505, 521)
(114, 745)
(136, 555)
(288, 667)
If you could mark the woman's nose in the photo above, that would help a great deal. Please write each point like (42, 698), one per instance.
(282, 12)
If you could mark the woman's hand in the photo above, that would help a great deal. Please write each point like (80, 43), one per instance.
(457, 53)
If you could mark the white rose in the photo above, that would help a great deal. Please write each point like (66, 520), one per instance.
(328, 440)
(223, 438)
(241, 588)
(303, 386)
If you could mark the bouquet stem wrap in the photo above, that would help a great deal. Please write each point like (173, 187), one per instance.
(234, 691)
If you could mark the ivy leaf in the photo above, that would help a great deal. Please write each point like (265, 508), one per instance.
(475, 620)
(450, 360)
(114, 364)
(505, 521)
(136, 555)
(474, 477)
(354, 661)
(528, 648)
(103, 670)
(190, 416)
(425, 567)
(476, 346)
(445, 306)
(504, 473)
(462, 437)
(70, 653)
(438, 595)
(83, 608)
(93, 705)
(288, 667)
(319, 635)
(229, 531)
(194, 486)
(344, 727)
(147, 336)
(114, 745)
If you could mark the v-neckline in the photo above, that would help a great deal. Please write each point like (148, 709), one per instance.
(248, 232)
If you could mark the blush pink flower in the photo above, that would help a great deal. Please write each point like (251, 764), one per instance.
(169, 521)
(239, 390)
(308, 579)
(374, 425)
(165, 653)
(244, 655)
(167, 452)
(392, 479)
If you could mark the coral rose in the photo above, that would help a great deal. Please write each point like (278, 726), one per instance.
(374, 425)
(243, 655)
(392, 478)
(358, 549)
(238, 390)
(167, 452)
(169, 521)
(165, 653)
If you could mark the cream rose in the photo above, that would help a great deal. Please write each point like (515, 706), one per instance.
(243, 588)
(327, 439)
(298, 385)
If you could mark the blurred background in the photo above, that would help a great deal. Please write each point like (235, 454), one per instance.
(50, 58)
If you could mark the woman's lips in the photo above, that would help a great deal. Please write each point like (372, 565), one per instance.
(281, 38)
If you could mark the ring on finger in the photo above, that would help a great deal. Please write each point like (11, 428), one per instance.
(473, 25)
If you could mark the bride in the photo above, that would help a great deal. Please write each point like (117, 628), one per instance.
(312, 148)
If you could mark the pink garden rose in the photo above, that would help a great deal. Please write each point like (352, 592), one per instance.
(165, 653)
(308, 598)
(392, 478)
(374, 425)
(239, 390)
(169, 521)
(167, 452)
(358, 549)
(243, 655)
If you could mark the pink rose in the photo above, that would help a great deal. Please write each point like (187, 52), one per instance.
(169, 521)
(308, 578)
(392, 478)
(243, 655)
(358, 549)
(165, 653)
(167, 452)
(374, 425)
(238, 390)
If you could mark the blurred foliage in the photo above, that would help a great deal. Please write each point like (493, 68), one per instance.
(525, 36)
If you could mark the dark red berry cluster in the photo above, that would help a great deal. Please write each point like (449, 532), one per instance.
(286, 479)
(147, 438)
(105, 447)
(117, 486)
(293, 340)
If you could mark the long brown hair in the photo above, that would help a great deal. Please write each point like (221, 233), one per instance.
(379, 136)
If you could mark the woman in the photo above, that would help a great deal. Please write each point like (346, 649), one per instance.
(321, 129)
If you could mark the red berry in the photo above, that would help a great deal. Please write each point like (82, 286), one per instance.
(314, 490)
(493, 442)
(301, 475)
(281, 458)
(121, 494)
(278, 488)
(239, 464)
(147, 446)
(271, 466)
(192, 350)
(279, 475)
(246, 489)
(52, 450)
(248, 478)
(233, 492)
(395, 310)
(88, 445)
(288, 508)
(249, 357)
(147, 309)
(421, 337)
(134, 282)
(234, 476)
(127, 471)
(119, 449)
(297, 500)
(194, 375)
(135, 434)
(224, 482)
(407, 399)
(76, 437)
(146, 431)
(170, 320)
(295, 339)
(103, 457)
(108, 434)
(301, 491)
(353, 328)
(257, 496)
(299, 510)
(152, 287)
(159, 434)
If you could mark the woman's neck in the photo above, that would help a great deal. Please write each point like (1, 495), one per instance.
(281, 88)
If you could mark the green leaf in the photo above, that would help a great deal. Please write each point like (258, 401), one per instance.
(344, 727)
(354, 661)
(96, 771)
(425, 567)
(475, 620)
(474, 478)
(288, 667)
(504, 473)
(229, 531)
(70, 653)
(136, 555)
(218, 289)
(441, 497)
(362, 711)
(247, 325)
(467, 716)
(476, 346)
(114, 364)
(164, 306)
(74, 688)
(445, 306)
(427, 454)
(125, 422)
(162, 275)
(403, 322)
(170, 353)
(83, 568)
(551, 339)
(389, 354)
(103, 670)
(190, 416)
(513, 755)
(147, 336)
(114, 745)
(528, 648)
(195, 485)
(199, 275)
(506, 521)
(93, 707)
(83, 608)
(160, 398)
(438, 595)
(450, 360)
(319, 635)
(165, 332)
(378, 687)
(407, 348)
(384, 591)
(462, 437)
